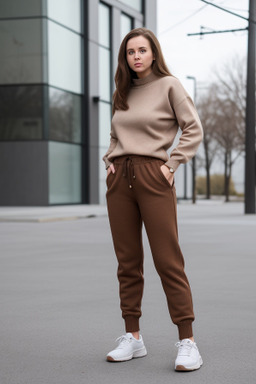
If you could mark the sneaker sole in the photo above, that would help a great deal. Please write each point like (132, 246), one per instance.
(137, 354)
(182, 368)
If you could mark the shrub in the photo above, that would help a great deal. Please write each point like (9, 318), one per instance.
(217, 185)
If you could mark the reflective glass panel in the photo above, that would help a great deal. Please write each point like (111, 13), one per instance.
(104, 74)
(64, 49)
(21, 45)
(64, 116)
(104, 25)
(136, 4)
(21, 113)
(104, 124)
(18, 8)
(66, 12)
(64, 173)
(102, 175)
(126, 25)
(104, 141)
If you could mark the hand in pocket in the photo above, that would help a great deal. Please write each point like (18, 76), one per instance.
(167, 174)
(110, 169)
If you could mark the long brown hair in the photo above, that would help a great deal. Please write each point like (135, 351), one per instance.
(124, 74)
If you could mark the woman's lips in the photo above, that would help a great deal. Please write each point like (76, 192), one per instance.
(138, 65)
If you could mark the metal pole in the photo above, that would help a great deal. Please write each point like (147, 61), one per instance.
(250, 115)
(194, 158)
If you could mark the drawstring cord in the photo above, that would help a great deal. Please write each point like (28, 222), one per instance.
(128, 169)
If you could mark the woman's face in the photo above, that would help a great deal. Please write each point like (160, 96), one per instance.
(139, 55)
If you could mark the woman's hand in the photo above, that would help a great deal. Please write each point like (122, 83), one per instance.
(167, 174)
(111, 168)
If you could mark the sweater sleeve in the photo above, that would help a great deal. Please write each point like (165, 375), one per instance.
(113, 143)
(192, 131)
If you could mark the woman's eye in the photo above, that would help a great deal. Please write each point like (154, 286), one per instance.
(130, 52)
(143, 50)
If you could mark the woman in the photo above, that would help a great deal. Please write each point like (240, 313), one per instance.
(149, 105)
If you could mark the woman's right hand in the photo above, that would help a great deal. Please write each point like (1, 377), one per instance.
(111, 168)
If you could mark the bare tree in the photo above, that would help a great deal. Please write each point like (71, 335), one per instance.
(206, 108)
(228, 135)
(230, 102)
(222, 112)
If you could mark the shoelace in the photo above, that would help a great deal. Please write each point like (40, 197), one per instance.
(123, 340)
(184, 348)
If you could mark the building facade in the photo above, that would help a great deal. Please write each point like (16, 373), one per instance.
(57, 63)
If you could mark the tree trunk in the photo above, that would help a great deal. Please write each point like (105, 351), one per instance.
(208, 184)
(229, 173)
(228, 168)
(226, 194)
(207, 168)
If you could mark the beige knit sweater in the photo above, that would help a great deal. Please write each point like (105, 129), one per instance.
(158, 106)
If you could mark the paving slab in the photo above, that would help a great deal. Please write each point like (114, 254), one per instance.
(60, 307)
(52, 213)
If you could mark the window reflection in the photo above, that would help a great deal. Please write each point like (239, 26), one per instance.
(64, 173)
(64, 116)
(126, 25)
(67, 12)
(102, 175)
(104, 124)
(21, 57)
(21, 113)
(104, 74)
(104, 25)
(16, 8)
(64, 58)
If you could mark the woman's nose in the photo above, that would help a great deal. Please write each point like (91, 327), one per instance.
(136, 55)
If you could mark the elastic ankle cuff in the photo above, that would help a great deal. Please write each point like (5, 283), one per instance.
(131, 324)
(185, 330)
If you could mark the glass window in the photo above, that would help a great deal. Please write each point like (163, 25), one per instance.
(126, 25)
(104, 25)
(64, 49)
(64, 116)
(136, 4)
(104, 74)
(21, 45)
(104, 141)
(102, 175)
(66, 12)
(104, 124)
(21, 113)
(18, 8)
(64, 173)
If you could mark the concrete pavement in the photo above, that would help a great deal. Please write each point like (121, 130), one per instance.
(53, 213)
(60, 308)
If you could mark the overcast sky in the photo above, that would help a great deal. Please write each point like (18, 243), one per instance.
(193, 55)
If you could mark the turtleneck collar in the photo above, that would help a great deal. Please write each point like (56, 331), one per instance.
(145, 80)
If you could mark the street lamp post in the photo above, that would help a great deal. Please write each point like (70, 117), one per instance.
(250, 177)
(194, 158)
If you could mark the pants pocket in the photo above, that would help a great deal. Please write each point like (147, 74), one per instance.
(164, 178)
(111, 176)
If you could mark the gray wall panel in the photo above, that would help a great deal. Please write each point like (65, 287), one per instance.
(150, 15)
(24, 173)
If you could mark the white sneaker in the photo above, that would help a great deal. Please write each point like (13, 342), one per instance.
(188, 358)
(127, 349)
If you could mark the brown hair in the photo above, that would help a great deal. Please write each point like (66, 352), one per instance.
(124, 74)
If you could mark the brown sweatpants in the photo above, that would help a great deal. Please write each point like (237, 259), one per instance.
(138, 192)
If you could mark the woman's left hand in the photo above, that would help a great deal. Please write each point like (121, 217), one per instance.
(167, 174)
